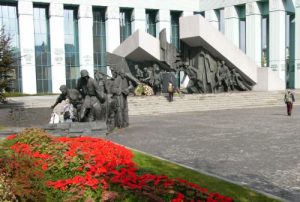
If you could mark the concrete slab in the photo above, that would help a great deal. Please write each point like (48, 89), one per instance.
(139, 47)
(196, 31)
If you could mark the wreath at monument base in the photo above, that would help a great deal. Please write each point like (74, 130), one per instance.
(143, 89)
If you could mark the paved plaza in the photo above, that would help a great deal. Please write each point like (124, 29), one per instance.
(258, 147)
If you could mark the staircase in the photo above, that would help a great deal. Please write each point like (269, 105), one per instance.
(154, 105)
(190, 103)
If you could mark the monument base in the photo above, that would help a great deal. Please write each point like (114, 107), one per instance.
(78, 128)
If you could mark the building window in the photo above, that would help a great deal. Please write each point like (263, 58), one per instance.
(290, 50)
(265, 41)
(125, 23)
(9, 21)
(175, 15)
(99, 39)
(242, 33)
(221, 20)
(42, 49)
(242, 27)
(71, 47)
(151, 22)
(265, 34)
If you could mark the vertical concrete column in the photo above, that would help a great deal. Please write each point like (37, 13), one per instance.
(164, 21)
(139, 19)
(253, 36)
(232, 24)
(277, 36)
(26, 29)
(112, 26)
(57, 42)
(297, 44)
(85, 33)
(212, 17)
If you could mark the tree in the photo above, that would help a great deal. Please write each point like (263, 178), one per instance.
(7, 61)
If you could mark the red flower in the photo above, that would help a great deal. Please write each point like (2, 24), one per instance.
(45, 166)
(180, 198)
(13, 136)
(102, 162)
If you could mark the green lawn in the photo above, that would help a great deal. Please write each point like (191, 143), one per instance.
(239, 193)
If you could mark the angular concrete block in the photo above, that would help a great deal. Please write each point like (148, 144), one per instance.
(140, 46)
(196, 32)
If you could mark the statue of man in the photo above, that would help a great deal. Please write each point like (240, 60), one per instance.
(208, 72)
(126, 86)
(238, 82)
(99, 79)
(195, 84)
(138, 73)
(156, 79)
(148, 76)
(223, 75)
(75, 98)
(92, 95)
(115, 113)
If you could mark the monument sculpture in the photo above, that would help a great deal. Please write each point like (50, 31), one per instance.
(104, 97)
(75, 98)
(206, 71)
(157, 80)
(223, 76)
(118, 104)
(98, 99)
(92, 96)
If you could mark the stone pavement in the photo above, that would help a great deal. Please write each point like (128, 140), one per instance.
(258, 148)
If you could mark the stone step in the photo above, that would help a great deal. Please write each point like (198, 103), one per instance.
(186, 102)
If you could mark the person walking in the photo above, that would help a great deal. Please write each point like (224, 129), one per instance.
(289, 99)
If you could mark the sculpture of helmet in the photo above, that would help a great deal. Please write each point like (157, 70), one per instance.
(63, 89)
(84, 73)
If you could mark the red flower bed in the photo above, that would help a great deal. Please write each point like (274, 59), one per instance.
(86, 163)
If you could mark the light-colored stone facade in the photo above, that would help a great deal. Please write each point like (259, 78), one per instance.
(276, 11)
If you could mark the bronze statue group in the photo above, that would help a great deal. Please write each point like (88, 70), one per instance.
(103, 99)
(150, 76)
(208, 75)
(98, 99)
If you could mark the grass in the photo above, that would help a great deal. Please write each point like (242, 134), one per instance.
(239, 193)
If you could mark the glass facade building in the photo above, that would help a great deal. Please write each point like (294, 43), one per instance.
(265, 35)
(242, 27)
(151, 16)
(125, 23)
(254, 28)
(42, 49)
(9, 22)
(99, 39)
(71, 46)
(175, 40)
